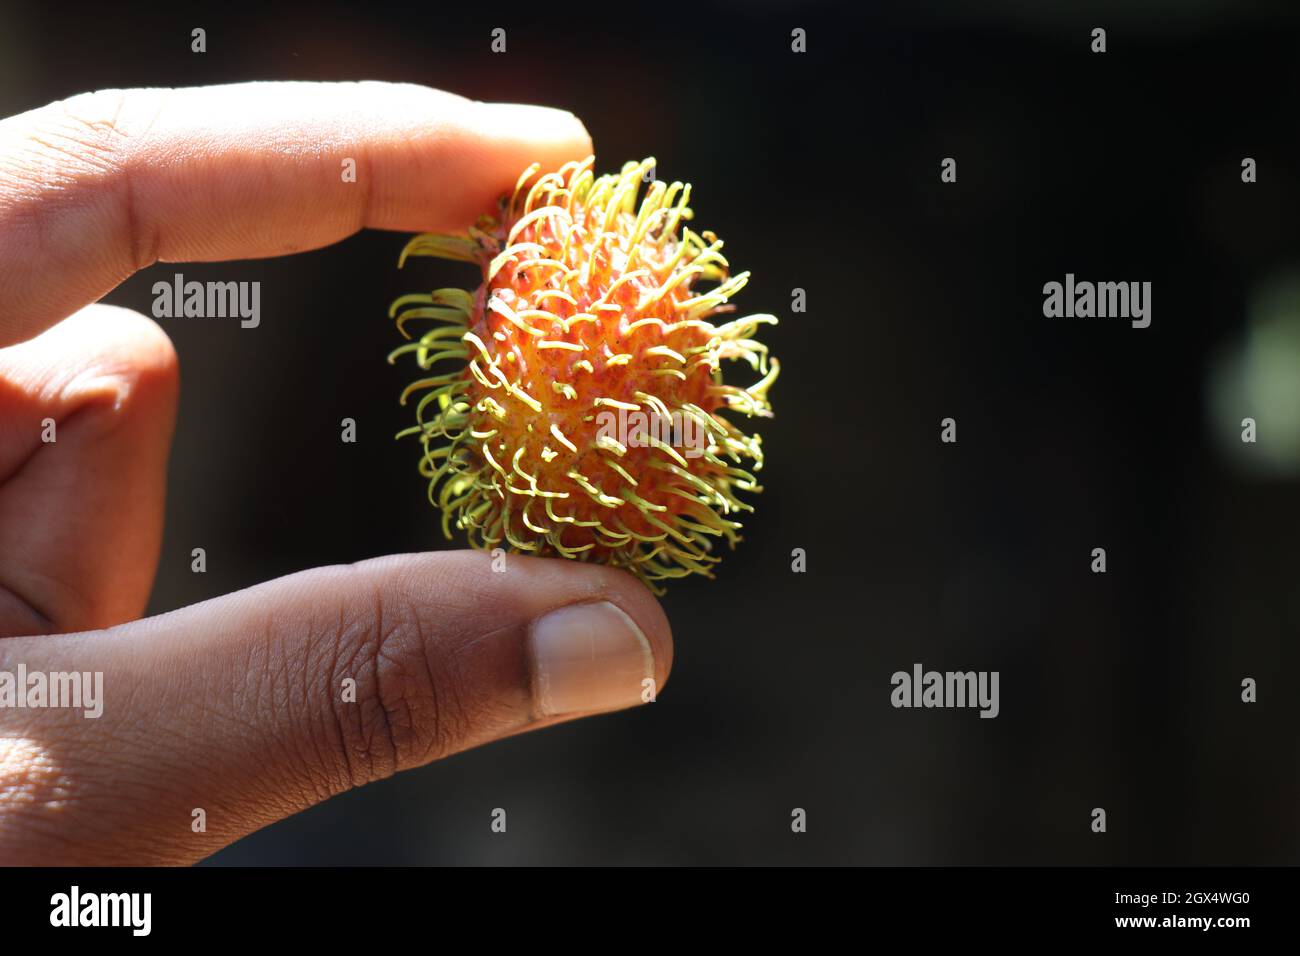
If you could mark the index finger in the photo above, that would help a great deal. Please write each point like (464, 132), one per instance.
(98, 186)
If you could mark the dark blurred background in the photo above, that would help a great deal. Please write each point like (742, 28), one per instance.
(821, 171)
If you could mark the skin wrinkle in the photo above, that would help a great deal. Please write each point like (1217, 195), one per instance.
(144, 253)
(328, 778)
(100, 149)
(351, 724)
(383, 707)
(275, 685)
(451, 646)
(399, 698)
(102, 129)
(247, 682)
(251, 686)
(118, 146)
(366, 181)
(79, 151)
(438, 705)
(13, 607)
(346, 714)
(418, 726)
(394, 701)
(318, 766)
(288, 710)
(241, 698)
(32, 608)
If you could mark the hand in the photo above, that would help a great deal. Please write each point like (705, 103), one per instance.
(238, 706)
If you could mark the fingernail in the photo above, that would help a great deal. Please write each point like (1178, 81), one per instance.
(588, 657)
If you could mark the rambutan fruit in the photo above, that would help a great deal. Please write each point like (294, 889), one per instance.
(577, 412)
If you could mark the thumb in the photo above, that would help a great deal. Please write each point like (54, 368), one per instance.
(258, 704)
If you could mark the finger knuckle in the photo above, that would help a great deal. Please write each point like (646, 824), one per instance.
(403, 712)
(92, 138)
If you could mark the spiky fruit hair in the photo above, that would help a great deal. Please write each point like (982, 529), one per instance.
(587, 318)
